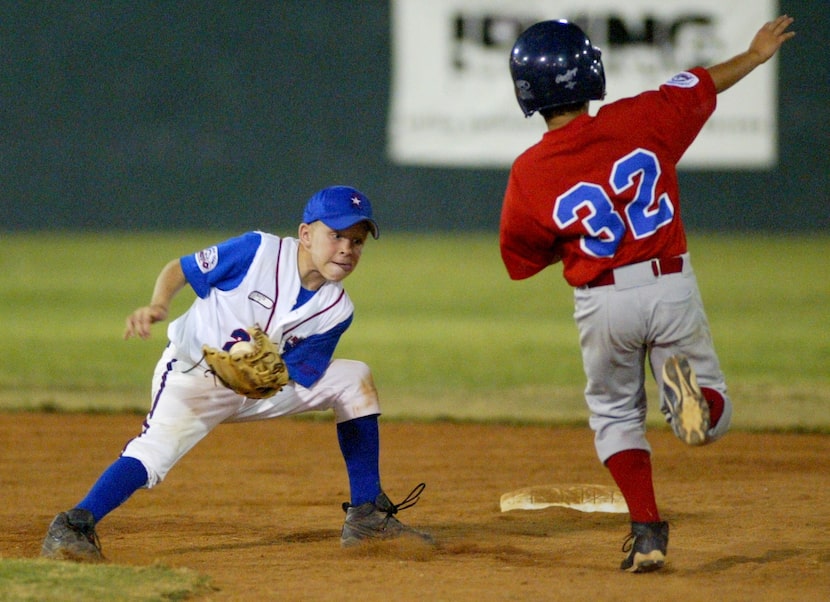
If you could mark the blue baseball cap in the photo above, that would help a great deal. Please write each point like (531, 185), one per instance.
(340, 207)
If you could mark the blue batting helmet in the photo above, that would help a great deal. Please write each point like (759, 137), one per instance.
(554, 63)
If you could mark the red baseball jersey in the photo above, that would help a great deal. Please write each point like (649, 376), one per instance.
(601, 192)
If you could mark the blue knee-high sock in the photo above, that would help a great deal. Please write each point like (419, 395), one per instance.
(360, 444)
(115, 485)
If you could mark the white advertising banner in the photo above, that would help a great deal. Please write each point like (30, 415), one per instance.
(452, 100)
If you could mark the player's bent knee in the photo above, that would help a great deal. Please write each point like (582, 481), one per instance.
(358, 396)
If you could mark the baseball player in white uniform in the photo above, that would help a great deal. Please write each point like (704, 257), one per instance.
(293, 289)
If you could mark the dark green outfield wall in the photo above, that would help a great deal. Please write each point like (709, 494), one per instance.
(170, 115)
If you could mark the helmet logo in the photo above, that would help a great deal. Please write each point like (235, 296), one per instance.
(523, 89)
(568, 78)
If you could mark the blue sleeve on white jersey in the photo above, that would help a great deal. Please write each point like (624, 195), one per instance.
(222, 266)
(311, 357)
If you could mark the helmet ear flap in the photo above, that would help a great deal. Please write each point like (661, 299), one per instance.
(553, 63)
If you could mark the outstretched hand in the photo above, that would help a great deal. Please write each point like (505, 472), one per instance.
(770, 38)
(169, 282)
(765, 44)
(139, 322)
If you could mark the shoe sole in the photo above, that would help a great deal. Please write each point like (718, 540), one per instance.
(689, 410)
(648, 563)
(351, 541)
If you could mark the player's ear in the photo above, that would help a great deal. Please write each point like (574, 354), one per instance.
(304, 235)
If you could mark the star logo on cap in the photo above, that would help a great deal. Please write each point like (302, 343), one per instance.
(356, 201)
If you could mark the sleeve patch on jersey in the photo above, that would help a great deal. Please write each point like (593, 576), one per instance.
(207, 259)
(683, 80)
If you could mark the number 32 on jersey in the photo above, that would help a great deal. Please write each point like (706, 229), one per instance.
(589, 205)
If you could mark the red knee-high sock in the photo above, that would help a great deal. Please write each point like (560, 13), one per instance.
(631, 470)
(715, 401)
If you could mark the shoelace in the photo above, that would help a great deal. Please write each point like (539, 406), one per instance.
(628, 543)
(410, 500)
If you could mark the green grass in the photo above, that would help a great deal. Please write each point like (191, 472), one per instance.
(446, 332)
(46, 581)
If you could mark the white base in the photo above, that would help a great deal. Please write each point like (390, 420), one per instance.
(582, 497)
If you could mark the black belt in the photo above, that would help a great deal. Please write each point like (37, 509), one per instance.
(671, 265)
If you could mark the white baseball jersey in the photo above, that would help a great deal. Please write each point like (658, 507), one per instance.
(254, 279)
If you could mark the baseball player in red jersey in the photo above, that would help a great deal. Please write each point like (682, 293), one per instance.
(600, 194)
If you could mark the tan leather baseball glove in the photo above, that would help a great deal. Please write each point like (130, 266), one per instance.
(251, 368)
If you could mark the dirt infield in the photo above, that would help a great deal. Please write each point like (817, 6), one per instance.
(256, 507)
